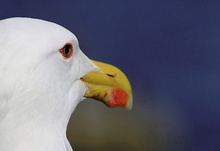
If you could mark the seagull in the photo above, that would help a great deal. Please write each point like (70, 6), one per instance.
(44, 75)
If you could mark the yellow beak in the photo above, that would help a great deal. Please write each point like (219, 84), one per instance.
(108, 85)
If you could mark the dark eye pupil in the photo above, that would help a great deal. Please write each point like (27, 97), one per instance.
(67, 50)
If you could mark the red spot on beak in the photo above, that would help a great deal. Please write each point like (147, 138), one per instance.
(118, 98)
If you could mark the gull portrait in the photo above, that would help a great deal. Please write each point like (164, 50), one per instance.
(44, 75)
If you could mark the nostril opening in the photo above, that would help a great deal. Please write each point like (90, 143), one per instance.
(110, 75)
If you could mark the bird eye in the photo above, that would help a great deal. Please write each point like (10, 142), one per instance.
(67, 51)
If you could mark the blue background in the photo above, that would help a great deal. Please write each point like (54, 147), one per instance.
(170, 52)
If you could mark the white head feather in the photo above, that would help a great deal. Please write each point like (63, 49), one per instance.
(39, 89)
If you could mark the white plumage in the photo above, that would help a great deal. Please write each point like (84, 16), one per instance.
(39, 89)
(43, 76)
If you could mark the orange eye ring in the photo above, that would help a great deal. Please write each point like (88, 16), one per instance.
(67, 50)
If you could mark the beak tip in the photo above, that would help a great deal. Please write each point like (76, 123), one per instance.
(129, 103)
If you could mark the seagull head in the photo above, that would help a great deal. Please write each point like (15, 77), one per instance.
(43, 76)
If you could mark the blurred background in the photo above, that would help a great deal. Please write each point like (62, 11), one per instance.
(170, 52)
